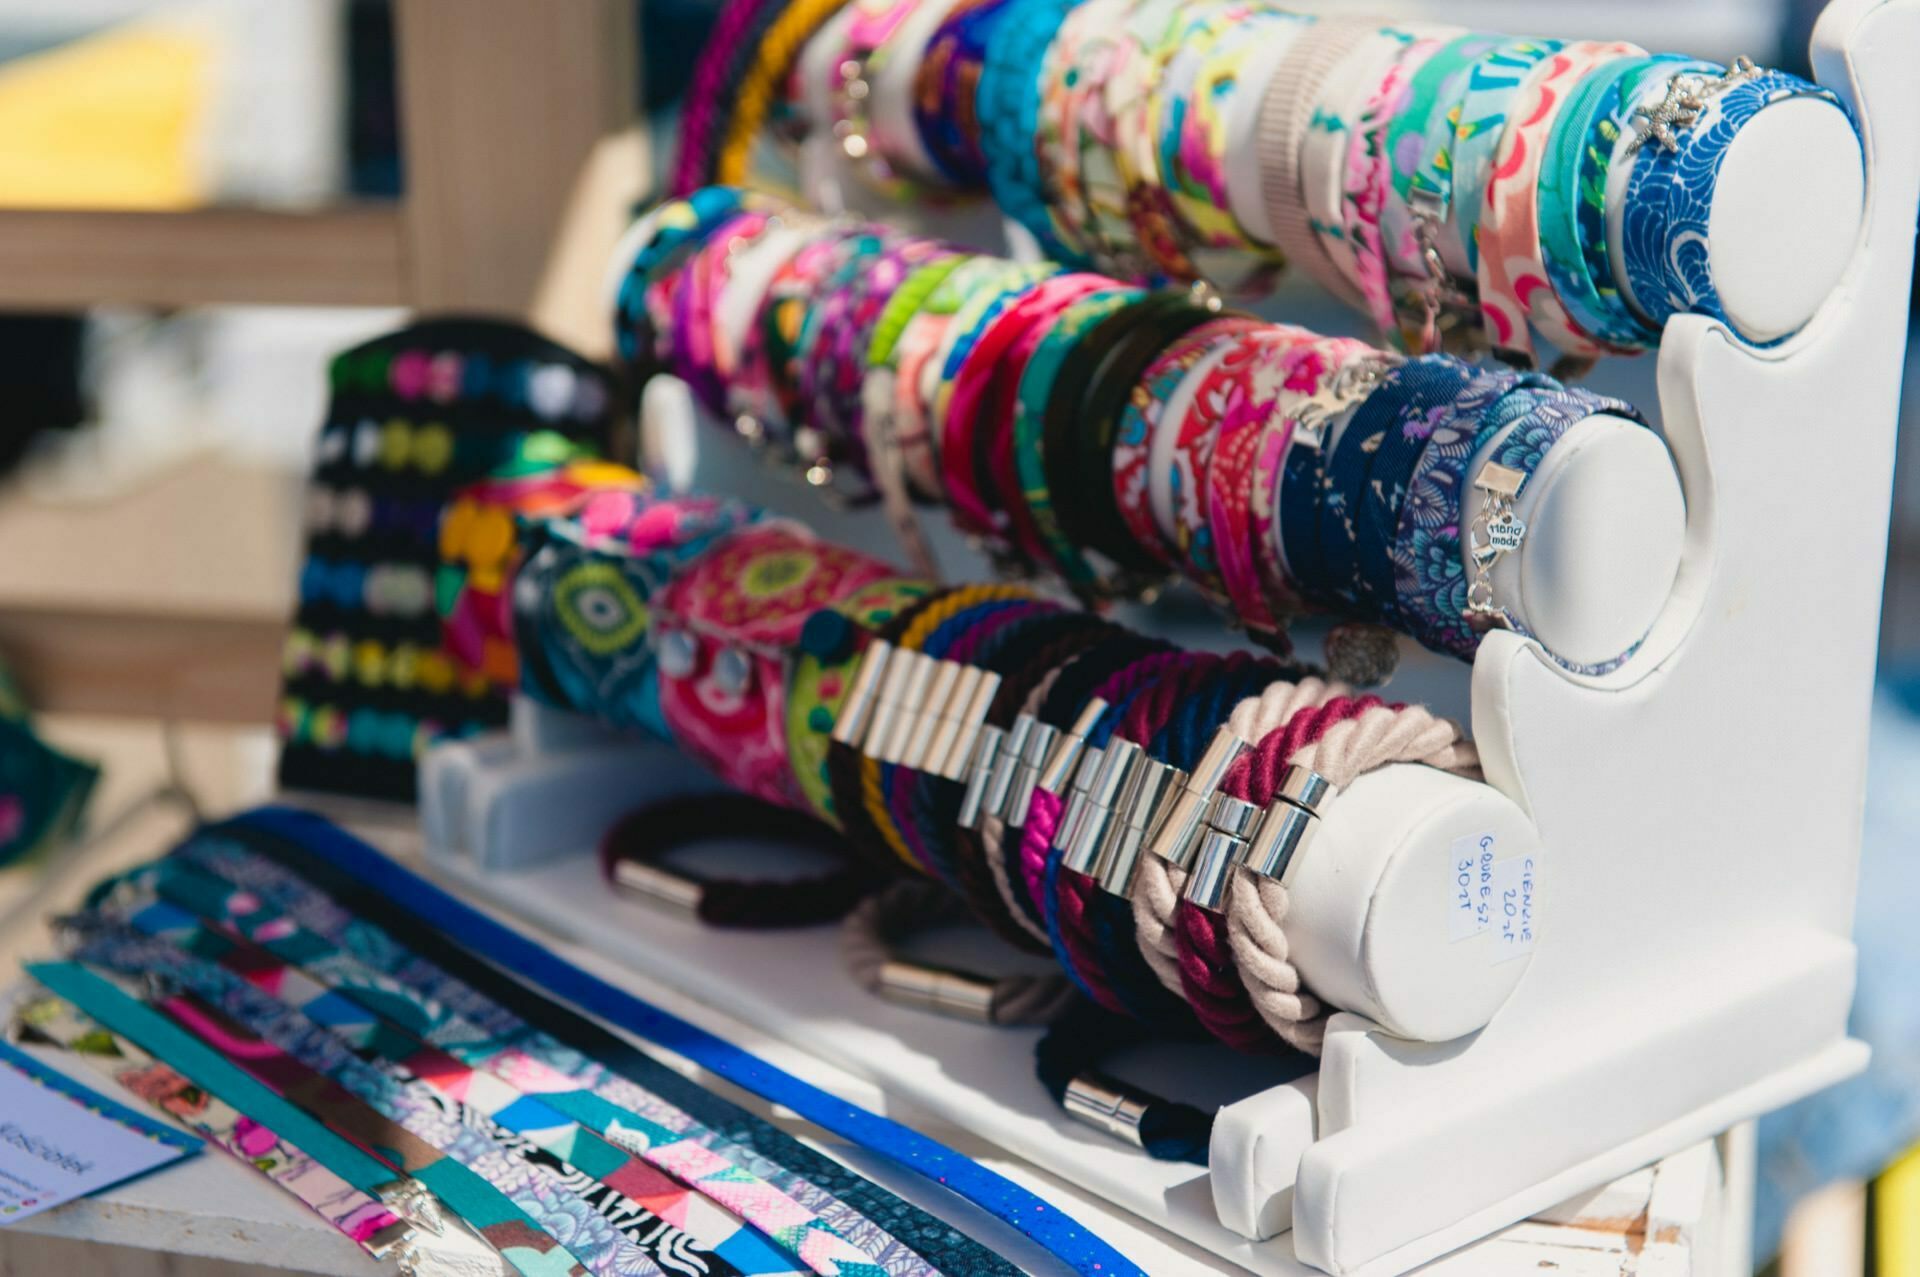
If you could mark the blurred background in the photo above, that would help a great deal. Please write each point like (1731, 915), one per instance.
(163, 159)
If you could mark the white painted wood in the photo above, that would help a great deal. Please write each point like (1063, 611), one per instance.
(1673, 989)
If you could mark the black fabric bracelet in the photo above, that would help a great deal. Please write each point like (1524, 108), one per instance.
(1060, 450)
(1096, 509)
(634, 851)
(1067, 1060)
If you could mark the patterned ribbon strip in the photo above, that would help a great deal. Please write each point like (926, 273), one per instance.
(448, 1036)
(384, 1106)
(526, 1126)
(434, 909)
(519, 1237)
(361, 1216)
(562, 1072)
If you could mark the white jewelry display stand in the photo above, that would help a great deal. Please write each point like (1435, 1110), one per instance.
(1694, 818)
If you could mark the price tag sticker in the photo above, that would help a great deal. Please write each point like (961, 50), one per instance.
(1470, 891)
(1515, 908)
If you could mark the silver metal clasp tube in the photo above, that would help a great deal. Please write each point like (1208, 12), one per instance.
(958, 994)
(1288, 826)
(1178, 836)
(658, 885)
(1065, 754)
(987, 755)
(1081, 848)
(1223, 846)
(970, 720)
(1108, 1105)
(850, 726)
(1151, 783)
(1026, 777)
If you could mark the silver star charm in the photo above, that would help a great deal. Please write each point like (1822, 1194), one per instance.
(1662, 123)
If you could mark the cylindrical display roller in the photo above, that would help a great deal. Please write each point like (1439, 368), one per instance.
(1761, 215)
(1417, 902)
(1599, 526)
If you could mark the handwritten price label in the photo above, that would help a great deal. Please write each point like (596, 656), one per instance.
(1470, 887)
(1515, 885)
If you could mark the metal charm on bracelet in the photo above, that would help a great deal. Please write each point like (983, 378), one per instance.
(1687, 97)
(1496, 531)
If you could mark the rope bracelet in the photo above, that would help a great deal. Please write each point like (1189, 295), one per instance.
(634, 855)
(873, 932)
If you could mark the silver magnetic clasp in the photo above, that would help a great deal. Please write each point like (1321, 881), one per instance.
(887, 704)
(850, 727)
(913, 695)
(1223, 845)
(1178, 835)
(1306, 788)
(658, 886)
(1283, 833)
(953, 684)
(1026, 778)
(1080, 798)
(1287, 827)
(958, 994)
(1139, 808)
(991, 739)
(1108, 1106)
(970, 722)
(1065, 755)
(386, 1241)
(1081, 852)
(412, 1201)
(1012, 751)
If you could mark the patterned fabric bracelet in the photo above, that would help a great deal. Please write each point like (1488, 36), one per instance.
(1094, 140)
(1369, 182)
(1010, 102)
(1079, 1250)
(1526, 414)
(298, 1048)
(1373, 465)
(1149, 40)
(1670, 201)
(1189, 438)
(1244, 393)
(1056, 141)
(1468, 155)
(1573, 196)
(1606, 172)
(1337, 113)
(1515, 296)
(1563, 201)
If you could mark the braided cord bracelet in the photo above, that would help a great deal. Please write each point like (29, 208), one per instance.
(891, 786)
(1339, 751)
(1104, 958)
(634, 851)
(1207, 971)
(872, 933)
(754, 99)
